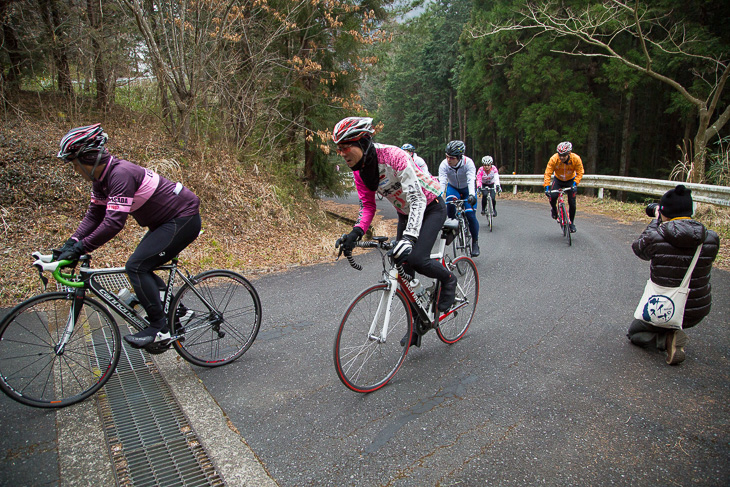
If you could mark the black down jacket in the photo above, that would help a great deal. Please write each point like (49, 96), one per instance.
(670, 247)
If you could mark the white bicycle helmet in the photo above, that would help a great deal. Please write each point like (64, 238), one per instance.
(487, 160)
(565, 148)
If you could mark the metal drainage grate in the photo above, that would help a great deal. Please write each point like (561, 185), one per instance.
(149, 437)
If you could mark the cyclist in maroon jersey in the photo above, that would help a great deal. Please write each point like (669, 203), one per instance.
(119, 189)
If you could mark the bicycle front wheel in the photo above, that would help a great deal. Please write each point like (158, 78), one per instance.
(219, 334)
(490, 209)
(35, 372)
(365, 361)
(454, 324)
(564, 220)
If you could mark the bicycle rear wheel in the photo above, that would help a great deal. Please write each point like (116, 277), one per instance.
(33, 373)
(453, 325)
(219, 336)
(366, 362)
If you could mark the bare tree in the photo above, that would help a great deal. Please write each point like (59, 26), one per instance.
(599, 31)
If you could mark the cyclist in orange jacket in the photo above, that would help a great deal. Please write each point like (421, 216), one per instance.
(568, 170)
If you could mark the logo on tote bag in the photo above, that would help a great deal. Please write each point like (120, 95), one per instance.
(659, 309)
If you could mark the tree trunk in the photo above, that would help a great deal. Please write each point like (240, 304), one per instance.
(451, 116)
(51, 18)
(623, 169)
(103, 96)
(10, 42)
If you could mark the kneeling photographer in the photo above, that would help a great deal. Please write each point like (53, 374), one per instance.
(670, 243)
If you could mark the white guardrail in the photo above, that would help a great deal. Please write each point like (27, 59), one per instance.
(705, 193)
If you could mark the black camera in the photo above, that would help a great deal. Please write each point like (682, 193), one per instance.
(651, 210)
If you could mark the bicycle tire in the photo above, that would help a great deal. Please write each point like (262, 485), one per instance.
(210, 339)
(32, 373)
(467, 237)
(563, 220)
(364, 364)
(490, 208)
(452, 327)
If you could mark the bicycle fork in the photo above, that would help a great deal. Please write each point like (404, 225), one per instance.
(73, 315)
(384, 309)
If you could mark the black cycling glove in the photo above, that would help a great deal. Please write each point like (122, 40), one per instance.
(347, 241)
(76, 251)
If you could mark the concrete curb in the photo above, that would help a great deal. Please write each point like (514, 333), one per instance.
(234, 460)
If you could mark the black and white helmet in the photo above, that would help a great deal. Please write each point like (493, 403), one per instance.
(455, 148)
(487, 160)
(82, 140)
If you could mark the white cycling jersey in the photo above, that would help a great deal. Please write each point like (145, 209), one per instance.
(462, 176)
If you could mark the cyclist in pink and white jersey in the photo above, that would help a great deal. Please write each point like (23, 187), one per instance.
(488, 180)
(119, 189)
(390, 171)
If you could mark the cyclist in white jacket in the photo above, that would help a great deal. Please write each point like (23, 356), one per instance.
(418, 160)
(457, 174)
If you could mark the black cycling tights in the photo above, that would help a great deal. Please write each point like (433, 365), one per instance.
(157, 247)
(420, 259)
(557, 184)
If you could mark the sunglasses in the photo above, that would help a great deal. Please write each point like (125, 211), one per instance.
(344, 149)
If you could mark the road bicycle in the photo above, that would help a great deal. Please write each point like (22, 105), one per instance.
(58, 348)
(487, 194)
(366, 354)
(563, 215)
(462, 243)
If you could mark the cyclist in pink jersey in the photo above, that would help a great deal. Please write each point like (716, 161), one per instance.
(389, 171)
(488, 180)
(119, 189)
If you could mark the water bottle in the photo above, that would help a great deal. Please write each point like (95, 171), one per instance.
(126, 296)
(417, 288)
(130, 299)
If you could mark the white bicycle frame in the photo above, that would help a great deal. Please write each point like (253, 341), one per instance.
(391, 278)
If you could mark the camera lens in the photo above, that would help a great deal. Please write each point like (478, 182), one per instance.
(651, 209)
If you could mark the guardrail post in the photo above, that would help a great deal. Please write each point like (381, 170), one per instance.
(600, 193)
(514, 189)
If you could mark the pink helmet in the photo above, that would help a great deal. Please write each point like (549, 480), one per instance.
(565, 148)
(351, 129)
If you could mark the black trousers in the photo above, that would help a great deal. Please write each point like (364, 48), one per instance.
(157, 247)
(557, 184)
(420, 259)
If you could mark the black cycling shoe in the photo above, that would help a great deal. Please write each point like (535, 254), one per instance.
(554, 213)
(494, 212)
(146, 337)
(572, 228)
(415, 339)
(484, 212)
(475, 248)
(448, 294)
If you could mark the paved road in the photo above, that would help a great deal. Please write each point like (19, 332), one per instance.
(544, 389)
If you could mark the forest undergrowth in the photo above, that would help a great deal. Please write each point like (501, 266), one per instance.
(247, 225)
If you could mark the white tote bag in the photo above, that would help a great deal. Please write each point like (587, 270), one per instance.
(664, 306)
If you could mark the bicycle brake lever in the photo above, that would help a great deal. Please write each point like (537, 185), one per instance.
(44, 279)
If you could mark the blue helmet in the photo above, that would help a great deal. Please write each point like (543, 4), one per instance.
(408, 147)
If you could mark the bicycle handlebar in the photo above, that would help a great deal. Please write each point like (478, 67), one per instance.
(44, 262)
(380, 242)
